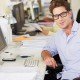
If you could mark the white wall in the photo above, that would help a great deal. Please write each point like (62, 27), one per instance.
(75, 5)
(3, 6)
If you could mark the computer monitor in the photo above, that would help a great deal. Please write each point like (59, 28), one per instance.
(5, 49)
(3, 43)
(22, 13)
(18, 13)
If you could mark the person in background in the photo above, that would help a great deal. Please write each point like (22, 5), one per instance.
(50, 30)
(66, 42)
(48, 26)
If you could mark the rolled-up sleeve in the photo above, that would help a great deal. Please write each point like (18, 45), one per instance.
(51, 46)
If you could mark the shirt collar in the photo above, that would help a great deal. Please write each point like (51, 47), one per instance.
(75, 27)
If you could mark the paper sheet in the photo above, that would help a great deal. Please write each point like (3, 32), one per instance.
(21, 38)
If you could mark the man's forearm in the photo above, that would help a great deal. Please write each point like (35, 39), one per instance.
(48, 59)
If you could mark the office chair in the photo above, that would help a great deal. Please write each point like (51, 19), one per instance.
(52, 73)
(78, 16)
(78, 78)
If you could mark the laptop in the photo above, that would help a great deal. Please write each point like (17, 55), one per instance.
(7, 53)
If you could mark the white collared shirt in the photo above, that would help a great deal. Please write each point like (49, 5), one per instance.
(68, 48)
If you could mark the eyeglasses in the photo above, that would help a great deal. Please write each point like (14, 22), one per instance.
(63, 14)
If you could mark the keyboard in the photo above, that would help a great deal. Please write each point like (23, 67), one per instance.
(30, 62)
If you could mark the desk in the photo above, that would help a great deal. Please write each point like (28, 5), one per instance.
(18, 67)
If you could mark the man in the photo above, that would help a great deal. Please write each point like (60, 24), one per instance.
(65, 42)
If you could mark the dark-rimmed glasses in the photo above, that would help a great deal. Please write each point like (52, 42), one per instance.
(63, 14)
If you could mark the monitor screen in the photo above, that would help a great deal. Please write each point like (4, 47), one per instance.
(22, 13)
(2, 41)
(16, 14)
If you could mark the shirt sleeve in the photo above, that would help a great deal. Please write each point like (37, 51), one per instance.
(51, 46)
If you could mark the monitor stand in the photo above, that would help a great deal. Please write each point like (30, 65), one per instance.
(21, 32)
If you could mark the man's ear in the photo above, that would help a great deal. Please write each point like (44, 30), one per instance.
(71, 14)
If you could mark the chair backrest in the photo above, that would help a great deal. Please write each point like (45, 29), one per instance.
(78, 16)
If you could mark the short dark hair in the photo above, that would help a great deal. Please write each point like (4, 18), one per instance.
(58, 3)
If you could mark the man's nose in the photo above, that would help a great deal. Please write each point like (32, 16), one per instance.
(60, 17)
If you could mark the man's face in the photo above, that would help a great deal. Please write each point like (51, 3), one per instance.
(62, 17)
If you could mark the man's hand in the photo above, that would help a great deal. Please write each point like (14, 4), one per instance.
(48, 59)
(50, 62)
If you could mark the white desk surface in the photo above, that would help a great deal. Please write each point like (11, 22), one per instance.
(18, 67)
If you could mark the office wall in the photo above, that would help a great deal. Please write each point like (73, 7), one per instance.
(75, 5)
(3, 7)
